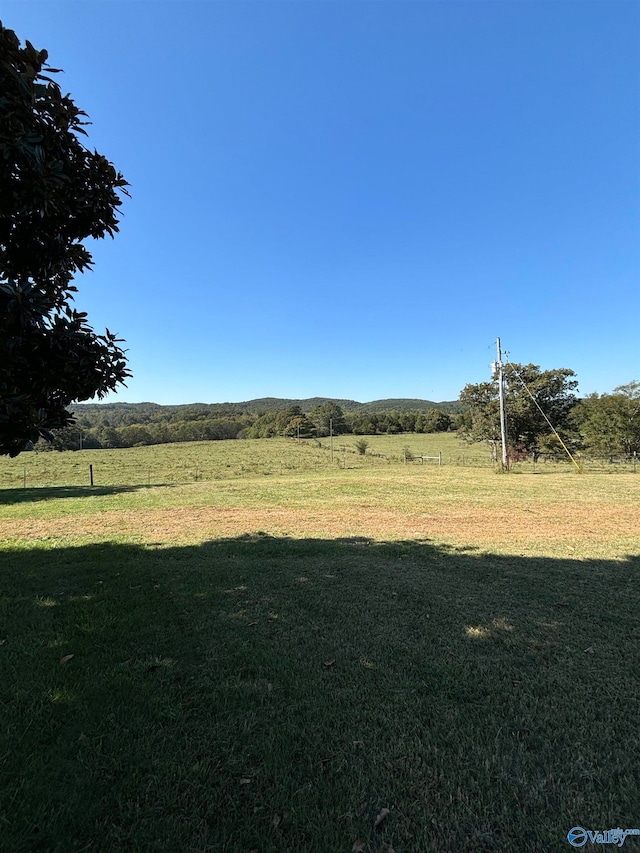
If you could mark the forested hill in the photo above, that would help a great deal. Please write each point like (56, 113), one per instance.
(123, 414)
(402, 404)
(106, 425)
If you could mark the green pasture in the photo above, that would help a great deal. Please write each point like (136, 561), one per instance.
(268, 656)
(193, 461)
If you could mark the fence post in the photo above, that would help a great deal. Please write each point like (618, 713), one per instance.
(91, 474)
(439, 457)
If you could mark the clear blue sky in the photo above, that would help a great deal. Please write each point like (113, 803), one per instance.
(354, 199)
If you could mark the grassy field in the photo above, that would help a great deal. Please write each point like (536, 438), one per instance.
(270, 656)
(180, 463)
(193, 461)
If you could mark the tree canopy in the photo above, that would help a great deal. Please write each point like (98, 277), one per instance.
(530, 393)
(54, 194)
(609, 424)
(327, 418)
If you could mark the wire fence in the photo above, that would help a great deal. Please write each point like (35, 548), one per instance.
(128, 468)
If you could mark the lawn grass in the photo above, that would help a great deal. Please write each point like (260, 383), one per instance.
(264, 663)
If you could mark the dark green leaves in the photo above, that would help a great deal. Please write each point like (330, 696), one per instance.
(530, 393)
(54, 193)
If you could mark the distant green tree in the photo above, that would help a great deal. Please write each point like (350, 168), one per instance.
(407, 421)
(108, 437)
(135, 435)
(435, 421)
(67, 438)
(264, 426)
(609, 424)
(90, 440)
(361, 446)
(224, 428)
(393, 427)
(160, 433)
(528, 429)
(288, 420)
(363, 425)
(300, 426)
(461, 421)
(54, 194)
(325, 414)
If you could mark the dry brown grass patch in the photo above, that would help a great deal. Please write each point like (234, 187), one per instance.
(501, 528)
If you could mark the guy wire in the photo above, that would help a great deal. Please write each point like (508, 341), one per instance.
(537, 405)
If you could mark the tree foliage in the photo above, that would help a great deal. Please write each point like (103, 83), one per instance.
(54, 194)
(528, 429)
(111, 425)
(327, 418)
(609, 424)
(433, 421)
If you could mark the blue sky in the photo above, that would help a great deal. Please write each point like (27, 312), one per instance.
(354, 199)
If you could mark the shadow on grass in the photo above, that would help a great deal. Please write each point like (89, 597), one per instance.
(275, 694)
(46, 493)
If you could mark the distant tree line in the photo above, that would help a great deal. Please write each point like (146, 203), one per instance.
(329, 417)
(82, 435)
(136, 425)
(541, 408)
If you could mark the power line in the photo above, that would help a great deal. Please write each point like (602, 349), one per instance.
(537, 405)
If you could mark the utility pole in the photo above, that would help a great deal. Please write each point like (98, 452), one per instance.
(503, 413)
